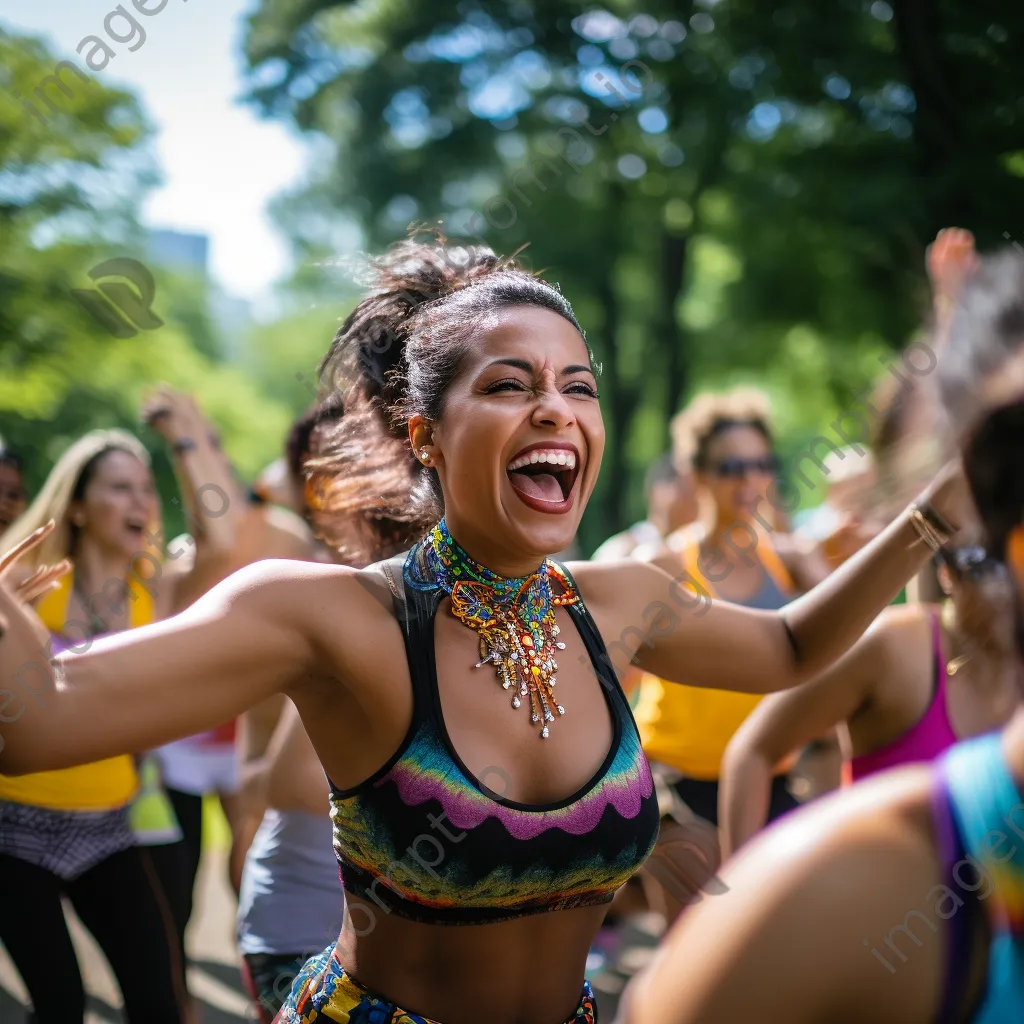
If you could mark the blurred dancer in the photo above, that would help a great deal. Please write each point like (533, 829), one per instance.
(67, 832)
(687, 728)
(921, 678)
(291, 900)
(12, 487)
(899, 899)
(671, 496)
(272, 524)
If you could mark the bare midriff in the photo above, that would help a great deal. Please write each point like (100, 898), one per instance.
(528, 970)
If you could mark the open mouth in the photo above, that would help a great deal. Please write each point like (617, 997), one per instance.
(543, 476)
(135, 526)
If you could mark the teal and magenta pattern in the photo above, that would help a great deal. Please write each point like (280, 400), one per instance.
(323, 991)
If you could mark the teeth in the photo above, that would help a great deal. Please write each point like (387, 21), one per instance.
(554, 457)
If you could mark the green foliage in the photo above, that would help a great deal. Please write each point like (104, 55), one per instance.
(284, 356)
(749, 199)
(69, 189)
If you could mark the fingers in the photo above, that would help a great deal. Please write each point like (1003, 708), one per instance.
(950, 259)
(33, 540)
(42, 581)
(160, 402)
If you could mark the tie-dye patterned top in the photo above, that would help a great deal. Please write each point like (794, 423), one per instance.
(424, 839)
(978, 814)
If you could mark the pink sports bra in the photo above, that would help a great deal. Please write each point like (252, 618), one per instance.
(927, 739)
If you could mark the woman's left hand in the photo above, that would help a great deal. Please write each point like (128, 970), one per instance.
(41, 582)
(29, 587)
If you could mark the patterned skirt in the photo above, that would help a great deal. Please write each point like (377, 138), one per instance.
(323, 991)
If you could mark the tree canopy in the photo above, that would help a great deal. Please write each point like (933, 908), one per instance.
(724, 189)
(70, 185)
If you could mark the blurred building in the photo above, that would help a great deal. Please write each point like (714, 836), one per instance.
(185, 251)
(180, 250)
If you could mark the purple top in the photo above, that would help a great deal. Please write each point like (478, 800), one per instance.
(931, 736)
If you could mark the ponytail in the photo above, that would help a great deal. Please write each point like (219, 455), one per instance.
(396, 355)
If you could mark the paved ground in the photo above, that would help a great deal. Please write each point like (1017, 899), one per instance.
(214, 978)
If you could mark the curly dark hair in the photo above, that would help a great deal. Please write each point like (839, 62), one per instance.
(396, 355)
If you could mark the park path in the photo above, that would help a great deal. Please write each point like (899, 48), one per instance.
(213, 975)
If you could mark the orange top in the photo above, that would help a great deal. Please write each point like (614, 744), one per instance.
(689, 727)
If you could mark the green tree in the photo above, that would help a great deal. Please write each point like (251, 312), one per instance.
(70, 183)
(722, 187)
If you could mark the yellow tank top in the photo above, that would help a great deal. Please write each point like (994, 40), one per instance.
(689, 727)
(102, 785)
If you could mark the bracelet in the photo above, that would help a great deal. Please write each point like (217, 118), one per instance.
(940, 523)
(182, 445)
(926, 530)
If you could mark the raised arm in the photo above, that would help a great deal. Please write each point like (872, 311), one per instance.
(213, 501)
(683, 636)
(786, 722)
(256, 633)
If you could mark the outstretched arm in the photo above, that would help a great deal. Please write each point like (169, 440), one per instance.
(686, 637)
(252, 635)
(786, 722)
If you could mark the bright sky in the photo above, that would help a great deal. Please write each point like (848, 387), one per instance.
(220, 163)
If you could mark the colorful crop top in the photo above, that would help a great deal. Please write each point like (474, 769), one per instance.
(424, 839)
(978, 810)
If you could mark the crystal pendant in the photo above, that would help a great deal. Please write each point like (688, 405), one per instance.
(514, 620)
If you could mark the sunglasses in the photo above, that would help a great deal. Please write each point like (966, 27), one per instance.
(971, 562)
(736, 469)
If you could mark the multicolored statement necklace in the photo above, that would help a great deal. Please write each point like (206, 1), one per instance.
(514, 618)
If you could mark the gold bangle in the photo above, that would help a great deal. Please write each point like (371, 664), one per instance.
(925, 530)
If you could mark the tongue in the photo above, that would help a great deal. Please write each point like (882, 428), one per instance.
(540, 485)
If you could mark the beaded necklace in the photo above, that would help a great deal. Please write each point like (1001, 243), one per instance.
(514, 619)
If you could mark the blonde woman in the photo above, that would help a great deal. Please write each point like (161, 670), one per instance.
(66, 832)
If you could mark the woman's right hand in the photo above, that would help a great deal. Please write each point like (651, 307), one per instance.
(950, 260)
(255, 634)
(172, 414)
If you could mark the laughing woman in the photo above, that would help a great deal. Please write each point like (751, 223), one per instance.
(67, 832)
(514, 810)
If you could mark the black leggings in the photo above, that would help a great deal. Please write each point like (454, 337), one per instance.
(177, 864)
(701, 796)
(120, 902)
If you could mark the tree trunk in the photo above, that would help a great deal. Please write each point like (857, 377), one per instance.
(622, 397)
(940, 125)
(674, 252)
